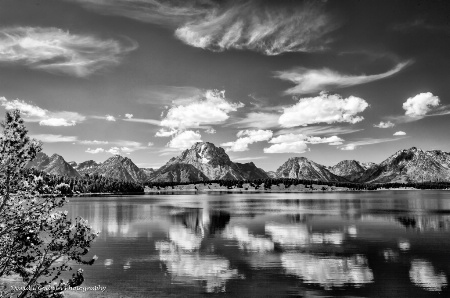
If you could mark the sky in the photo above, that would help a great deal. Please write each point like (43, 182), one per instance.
(265, 80)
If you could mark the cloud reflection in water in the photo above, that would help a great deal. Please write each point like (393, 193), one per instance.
(328, 272)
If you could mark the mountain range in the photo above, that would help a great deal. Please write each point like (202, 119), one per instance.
(204, 161)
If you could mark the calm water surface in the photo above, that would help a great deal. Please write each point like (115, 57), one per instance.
(371, 244)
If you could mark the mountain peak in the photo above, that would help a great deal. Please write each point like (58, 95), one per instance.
(211, 161)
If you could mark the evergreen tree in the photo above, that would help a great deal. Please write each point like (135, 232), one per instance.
(37, 242)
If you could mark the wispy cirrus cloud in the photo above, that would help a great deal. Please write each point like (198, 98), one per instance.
(314, 80)
(365, 142)
(52, 138)
(261, 120)
(32, 113)
(261, 26)
(161, 12)
(58, 51)
(319, 130)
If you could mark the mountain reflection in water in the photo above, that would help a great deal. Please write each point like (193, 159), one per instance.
(374, 244)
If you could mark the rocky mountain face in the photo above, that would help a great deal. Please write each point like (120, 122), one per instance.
(54, 165)
(87, 167)
(205, 161)
(303, 168)
(212, 162)
(178, 173)
(116, 167)
(411, 165)
(351, 170)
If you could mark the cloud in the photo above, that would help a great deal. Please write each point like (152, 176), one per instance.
(297, 143)
(261, 120)
(148, 121)
(247, 137)
(262, 27)
(150, 144)
(323, 108)
(56, 122)
(364, 142)
(128, 116)
(167, 13)
(211, 130)
(51, 138)
(113, 150)
(420, 104)
(319, 130)
(58, 51)
(184, 140)
(93, 142)
(314, 80)
(291, 147)
(211, 107)
(33, 113)
(161, 94)
(289, 138)
(387, 124)
(110, 118)
(95, 151)
(244, 25)
(122, 147)
(400, 133)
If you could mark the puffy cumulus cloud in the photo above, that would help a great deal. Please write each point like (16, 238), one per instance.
(387, 124)
(314, 80)
(150, 144)
(110, 118)
(297, 143)
(400, 133)
(364, 142)
(210, 130)
(184, 140)
(58, 51)
(33, 113)
(121, 147)
(51, 138)
(113, 150)
(263, 27)
(420, 104)
(291, 147)
(210, 108)
(247, 137)
(324, 108)
(95, 151)
(128, 116)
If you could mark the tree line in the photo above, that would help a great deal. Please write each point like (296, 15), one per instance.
(266, 184)
(50, 184)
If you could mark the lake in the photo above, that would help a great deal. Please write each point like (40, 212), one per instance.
(358, 244)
